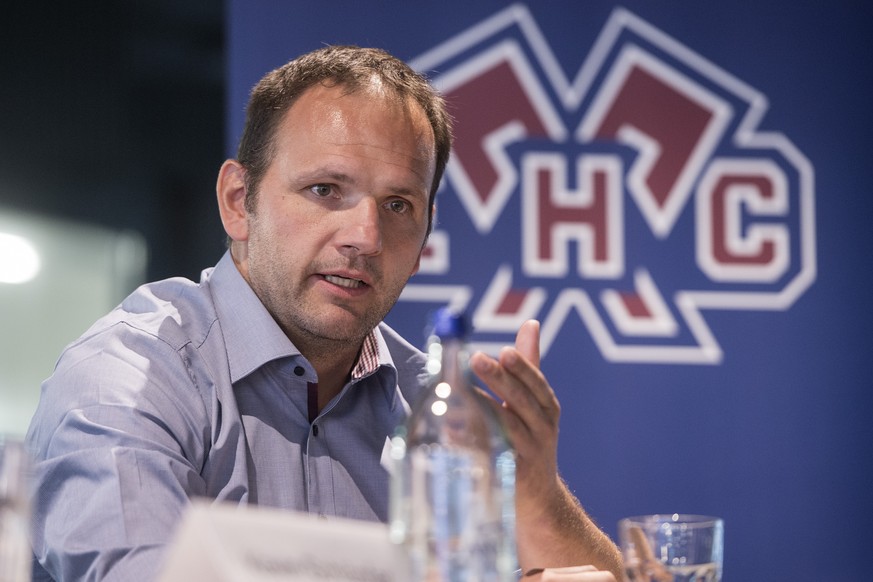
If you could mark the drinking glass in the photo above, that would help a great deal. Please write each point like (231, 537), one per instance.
(14, 512)
(672, 548)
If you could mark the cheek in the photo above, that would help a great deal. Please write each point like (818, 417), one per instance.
(407, 253)
(287, 224)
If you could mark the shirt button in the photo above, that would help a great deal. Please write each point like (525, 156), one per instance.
(299, 371)
(315, 430)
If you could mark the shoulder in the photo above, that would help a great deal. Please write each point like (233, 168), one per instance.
(174, 311)
(133, 372)
(402, 352)
(139, 354)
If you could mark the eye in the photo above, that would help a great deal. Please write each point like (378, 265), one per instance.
(321, 190)
(398, 205)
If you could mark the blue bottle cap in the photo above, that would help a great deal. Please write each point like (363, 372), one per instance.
(449, 324)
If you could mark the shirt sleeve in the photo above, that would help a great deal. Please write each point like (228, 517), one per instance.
(119, 439)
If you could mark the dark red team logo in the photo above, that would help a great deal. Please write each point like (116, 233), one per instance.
(633, 199)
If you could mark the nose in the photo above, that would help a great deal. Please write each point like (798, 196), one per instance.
(360, 232)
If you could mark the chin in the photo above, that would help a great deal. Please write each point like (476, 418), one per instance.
(348, 328)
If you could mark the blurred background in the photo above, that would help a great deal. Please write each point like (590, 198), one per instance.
(111, 135)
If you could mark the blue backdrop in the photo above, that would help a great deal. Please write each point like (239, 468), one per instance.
(680, 192)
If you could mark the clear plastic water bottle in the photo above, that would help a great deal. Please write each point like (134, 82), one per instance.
(453, 484)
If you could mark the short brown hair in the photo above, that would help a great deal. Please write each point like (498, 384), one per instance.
(348, 66)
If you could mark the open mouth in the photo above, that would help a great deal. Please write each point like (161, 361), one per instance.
(344, 281)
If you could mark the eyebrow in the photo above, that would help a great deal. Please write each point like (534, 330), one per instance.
(326, 174)
(323, 174)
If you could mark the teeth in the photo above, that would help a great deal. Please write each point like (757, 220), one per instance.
(343, 281)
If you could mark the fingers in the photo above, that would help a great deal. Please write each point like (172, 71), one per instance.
(527, 341)
(520, 385)
(524, 382)
(530, 412)
(516, 378)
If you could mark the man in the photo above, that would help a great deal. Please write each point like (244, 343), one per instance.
(273, 380)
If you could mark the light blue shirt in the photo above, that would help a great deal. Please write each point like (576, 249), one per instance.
(192, 390)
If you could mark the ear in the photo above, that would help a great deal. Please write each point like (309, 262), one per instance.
(231, 191)
(417, 265)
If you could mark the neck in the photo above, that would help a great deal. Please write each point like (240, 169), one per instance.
(333, 363)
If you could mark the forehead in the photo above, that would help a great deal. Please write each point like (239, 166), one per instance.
(369, 122)
(341, 104)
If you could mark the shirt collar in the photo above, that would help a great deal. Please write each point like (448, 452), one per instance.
(251, 335)
(383, 362)
(368, 359)
(253, 338)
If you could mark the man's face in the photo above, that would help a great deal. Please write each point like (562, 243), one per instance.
(341, 213)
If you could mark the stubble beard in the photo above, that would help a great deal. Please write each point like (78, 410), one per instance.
(311, 323)
(316, 327)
